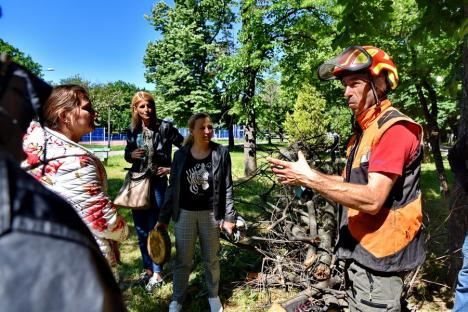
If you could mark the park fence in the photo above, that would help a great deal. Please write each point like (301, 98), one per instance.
(100, 135)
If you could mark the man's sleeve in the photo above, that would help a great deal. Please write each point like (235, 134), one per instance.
(396, 149)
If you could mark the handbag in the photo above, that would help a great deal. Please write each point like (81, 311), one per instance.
(135, 191)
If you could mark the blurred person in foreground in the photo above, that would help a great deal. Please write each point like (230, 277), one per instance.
(380, 209)
(200, 201)
(55, 158)
(458, 157)
(49, 259)
(149, 147)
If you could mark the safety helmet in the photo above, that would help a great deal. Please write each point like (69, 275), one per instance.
(360, 59)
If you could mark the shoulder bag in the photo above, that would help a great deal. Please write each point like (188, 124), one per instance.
(135, 192)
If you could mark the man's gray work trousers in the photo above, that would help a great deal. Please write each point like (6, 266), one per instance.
(370, 291)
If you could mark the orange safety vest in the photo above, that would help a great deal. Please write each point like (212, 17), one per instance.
(391, 240)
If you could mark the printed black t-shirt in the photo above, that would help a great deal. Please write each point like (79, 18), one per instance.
(196, 186)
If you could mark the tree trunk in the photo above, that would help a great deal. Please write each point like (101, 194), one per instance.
(250, 135)
(434, 132)
(458, 157)
(250, 149)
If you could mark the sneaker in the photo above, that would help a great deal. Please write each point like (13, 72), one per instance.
(175, 306)
(143, 279)
(215, 304)
(153, 283)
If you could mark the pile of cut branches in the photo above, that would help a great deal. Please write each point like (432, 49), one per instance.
(297, 236)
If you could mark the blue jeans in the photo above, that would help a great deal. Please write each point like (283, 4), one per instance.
(145, 220)
(461, 291)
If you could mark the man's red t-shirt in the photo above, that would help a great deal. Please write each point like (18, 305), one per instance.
(397, 147)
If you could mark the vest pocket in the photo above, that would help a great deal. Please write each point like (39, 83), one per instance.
(375, 305)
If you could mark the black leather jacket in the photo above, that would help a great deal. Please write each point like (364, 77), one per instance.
(166, 135)
(43, 245)
(223, 205)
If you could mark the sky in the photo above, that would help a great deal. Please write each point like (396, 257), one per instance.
(100, 40)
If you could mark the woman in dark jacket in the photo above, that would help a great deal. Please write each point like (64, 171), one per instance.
(199, 199)
(149, 147)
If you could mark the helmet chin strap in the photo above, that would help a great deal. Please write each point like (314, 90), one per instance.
(374, 91)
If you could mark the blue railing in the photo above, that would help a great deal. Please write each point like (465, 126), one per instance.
(100, 134)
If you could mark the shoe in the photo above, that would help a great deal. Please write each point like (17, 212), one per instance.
(153, 283)
(175, 306)
(215, 304)
(143, 279)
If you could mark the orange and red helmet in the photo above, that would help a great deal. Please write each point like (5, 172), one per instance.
(360, 59)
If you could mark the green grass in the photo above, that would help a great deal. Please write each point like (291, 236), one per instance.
(236, 263)
(112, 148)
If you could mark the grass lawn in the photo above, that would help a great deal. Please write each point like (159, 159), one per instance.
(112, 148)
(236, 263)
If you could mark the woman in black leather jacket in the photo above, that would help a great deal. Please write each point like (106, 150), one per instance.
(199, 199)
(149, 147)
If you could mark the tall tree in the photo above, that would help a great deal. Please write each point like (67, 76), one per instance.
(181, 64)
(113, 100)
(452, 23)
(265, 26)
(420, 57)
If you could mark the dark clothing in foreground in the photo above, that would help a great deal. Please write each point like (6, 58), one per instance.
(49, 259)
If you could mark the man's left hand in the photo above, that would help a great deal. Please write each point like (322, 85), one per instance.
(291, 173)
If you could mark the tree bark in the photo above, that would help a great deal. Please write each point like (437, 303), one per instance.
(434, 132)
(250, 135)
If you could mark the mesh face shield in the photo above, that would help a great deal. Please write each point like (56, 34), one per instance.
(354, 59)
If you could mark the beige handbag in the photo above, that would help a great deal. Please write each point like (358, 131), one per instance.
(135, 192)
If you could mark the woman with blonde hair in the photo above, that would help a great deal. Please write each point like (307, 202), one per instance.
(55, 158)
(200, 201)
(149, 147)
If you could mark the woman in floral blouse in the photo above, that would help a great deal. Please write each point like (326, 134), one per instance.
(55, 158)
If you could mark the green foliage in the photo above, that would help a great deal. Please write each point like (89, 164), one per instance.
(308, 123)
(272, 108)
(114, 98)
(20, 58)
(182, 64)
(78, 80)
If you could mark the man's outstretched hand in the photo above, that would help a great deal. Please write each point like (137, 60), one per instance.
(291, 173)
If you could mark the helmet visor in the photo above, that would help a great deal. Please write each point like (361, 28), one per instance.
(353, 59)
